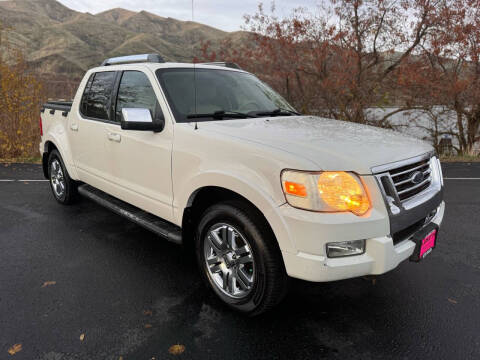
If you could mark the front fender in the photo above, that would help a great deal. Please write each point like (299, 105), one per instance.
(247, 187)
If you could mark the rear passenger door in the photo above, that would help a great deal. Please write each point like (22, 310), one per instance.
(140, 161)
(88, 131)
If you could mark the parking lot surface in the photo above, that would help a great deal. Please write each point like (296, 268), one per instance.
(80, 282)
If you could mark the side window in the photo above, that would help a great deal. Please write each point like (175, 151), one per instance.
(135, 91)
(83, 103)
(99, 96)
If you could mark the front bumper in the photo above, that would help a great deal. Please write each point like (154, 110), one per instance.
(380, 256)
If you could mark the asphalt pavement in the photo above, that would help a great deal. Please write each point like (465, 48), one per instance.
(80, 282)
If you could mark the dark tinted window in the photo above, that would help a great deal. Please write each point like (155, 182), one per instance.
(135, 91)
(205, 91)
(99, 96)
(83, 103)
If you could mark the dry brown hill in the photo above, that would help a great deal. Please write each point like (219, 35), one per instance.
(58, 40)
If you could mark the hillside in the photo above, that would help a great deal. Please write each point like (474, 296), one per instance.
(61, 41)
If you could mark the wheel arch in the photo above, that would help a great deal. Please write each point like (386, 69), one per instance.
(50, 144)
(48, 147)
(204, 196)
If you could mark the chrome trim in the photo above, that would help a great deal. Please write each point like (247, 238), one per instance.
(406, 212)
(409, 170)
(393, 165)
(129, 59)
(420, 198)
(414, 187)
(399, 210)
(425, 173)
(137, 115)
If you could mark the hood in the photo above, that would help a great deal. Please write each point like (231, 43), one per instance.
(331, 144)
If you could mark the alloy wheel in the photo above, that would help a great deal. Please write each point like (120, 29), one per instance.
(229, 260)
(57, 179)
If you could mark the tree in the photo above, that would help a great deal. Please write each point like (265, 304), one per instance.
(343, 61)
(453, 56)
(20, 99)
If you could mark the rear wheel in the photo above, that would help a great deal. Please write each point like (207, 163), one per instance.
(64, 189)
(239, 257)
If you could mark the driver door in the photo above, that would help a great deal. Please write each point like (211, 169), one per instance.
(140, 161)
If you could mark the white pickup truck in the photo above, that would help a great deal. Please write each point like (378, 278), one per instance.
(210, 156)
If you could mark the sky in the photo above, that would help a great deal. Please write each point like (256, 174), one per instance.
(223, 14)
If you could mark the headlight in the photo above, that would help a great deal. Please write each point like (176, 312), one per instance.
(436, 171)
(328, 191)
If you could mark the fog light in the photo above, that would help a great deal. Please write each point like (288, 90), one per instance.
(345, 248)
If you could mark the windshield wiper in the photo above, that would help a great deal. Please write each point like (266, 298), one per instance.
(277, 112)
(221, 114)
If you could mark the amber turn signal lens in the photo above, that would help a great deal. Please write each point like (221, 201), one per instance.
(343, 192)
(295, 189)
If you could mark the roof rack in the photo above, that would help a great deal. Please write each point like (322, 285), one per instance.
(152, 58)
(223, 63)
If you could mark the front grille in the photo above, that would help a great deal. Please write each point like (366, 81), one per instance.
(412, 191)
(404, 183)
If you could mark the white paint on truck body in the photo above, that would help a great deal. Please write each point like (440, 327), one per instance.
(159, 172)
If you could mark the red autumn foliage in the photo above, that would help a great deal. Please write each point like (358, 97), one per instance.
(353, 55)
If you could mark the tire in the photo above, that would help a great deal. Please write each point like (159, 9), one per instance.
(64, 189)
(251, 265)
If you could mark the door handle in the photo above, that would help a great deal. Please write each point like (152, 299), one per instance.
(74, 127)
(114, 137)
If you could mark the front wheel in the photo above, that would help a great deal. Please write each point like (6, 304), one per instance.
(239, 257)
(64, 189)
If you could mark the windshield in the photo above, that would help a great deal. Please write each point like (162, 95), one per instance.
(218, 91)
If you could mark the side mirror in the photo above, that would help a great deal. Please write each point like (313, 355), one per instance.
(140, 119)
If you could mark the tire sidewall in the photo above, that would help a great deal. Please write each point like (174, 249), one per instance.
(223, 213)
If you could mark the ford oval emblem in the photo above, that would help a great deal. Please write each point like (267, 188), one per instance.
(417, 177)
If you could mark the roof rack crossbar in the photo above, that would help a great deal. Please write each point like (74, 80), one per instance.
(152, 58)
(223, 63)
